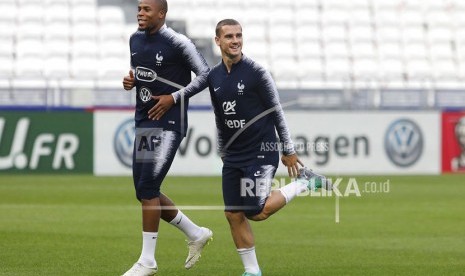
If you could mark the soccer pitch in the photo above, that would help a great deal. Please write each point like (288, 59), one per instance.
(86, 225)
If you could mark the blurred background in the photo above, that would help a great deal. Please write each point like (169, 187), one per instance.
(361, 60)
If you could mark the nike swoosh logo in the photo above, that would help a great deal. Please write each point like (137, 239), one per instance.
(179, 221)
(257, 174)
(132, 54)
(216, 89)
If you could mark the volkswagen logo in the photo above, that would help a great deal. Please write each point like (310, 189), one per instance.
(123, 142)
(145, 94)
(404, 142)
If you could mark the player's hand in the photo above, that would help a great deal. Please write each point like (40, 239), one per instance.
(292, 163)
(165, 102)
(128, 81)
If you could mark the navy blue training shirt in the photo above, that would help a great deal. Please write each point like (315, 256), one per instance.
(172, 56)
(239, 97)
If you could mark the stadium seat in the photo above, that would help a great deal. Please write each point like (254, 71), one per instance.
(412, 34)
(111, 15)
(306, 16)
(338, 70)
(388, 5)
(111, 32)
(441, 51)
(360, 33)
(7, 31)
(10, 16)
(392, 71)
(415, 51)
(334, 33)
(113, 68)
(308, 33)
(256, 49)
(57, 13)
(31, 13)
(29, 67)
(83, 14)
(57, 30)
(255, 15)
(200, 28)
(56, 67)
(7, 48)
(285, 73)
(334, 17)
(439, 34)
(57, 48)
(84, 31)
(281, 17)
(115, 49)
(57, 2)
(366, 70)
(88, 3)
(310, 72)
(299, 4)
(412, 18)
(391, 50)
(84, 68)
(279, 4)
(309, 49)
(361, 17)
(418, 70)
(282, 49)
(30, 30)
(6, 67)
(360, 4)
(255, 32)
(388, 34)
(336, 50)
(261, 4)
(362, 50)
(387, 17)
(84, 49)
(280, 33)
(445, 70)
(439, 18)
(23, 3)
(336, 4)
(30, 48)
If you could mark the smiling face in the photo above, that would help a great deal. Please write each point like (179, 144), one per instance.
(151, 15)
(229, 39)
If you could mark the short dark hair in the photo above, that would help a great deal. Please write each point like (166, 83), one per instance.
(225, 22)
(163, 5)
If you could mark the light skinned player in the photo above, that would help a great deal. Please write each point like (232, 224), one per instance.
(248, 114)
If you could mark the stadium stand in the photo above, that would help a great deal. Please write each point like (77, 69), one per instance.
(386, 47)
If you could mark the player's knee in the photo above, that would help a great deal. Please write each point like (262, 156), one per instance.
(234, 217)
(263, 215)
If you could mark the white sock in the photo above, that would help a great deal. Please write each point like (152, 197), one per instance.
(149, 242)
(249, 260)
(291, 190)
(190, 229)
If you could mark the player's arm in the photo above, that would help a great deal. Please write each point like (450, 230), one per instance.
(219, 125)
(269, 95)
(199, 66)
(129, 80)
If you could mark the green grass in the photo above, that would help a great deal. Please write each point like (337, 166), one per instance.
(86, 225)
